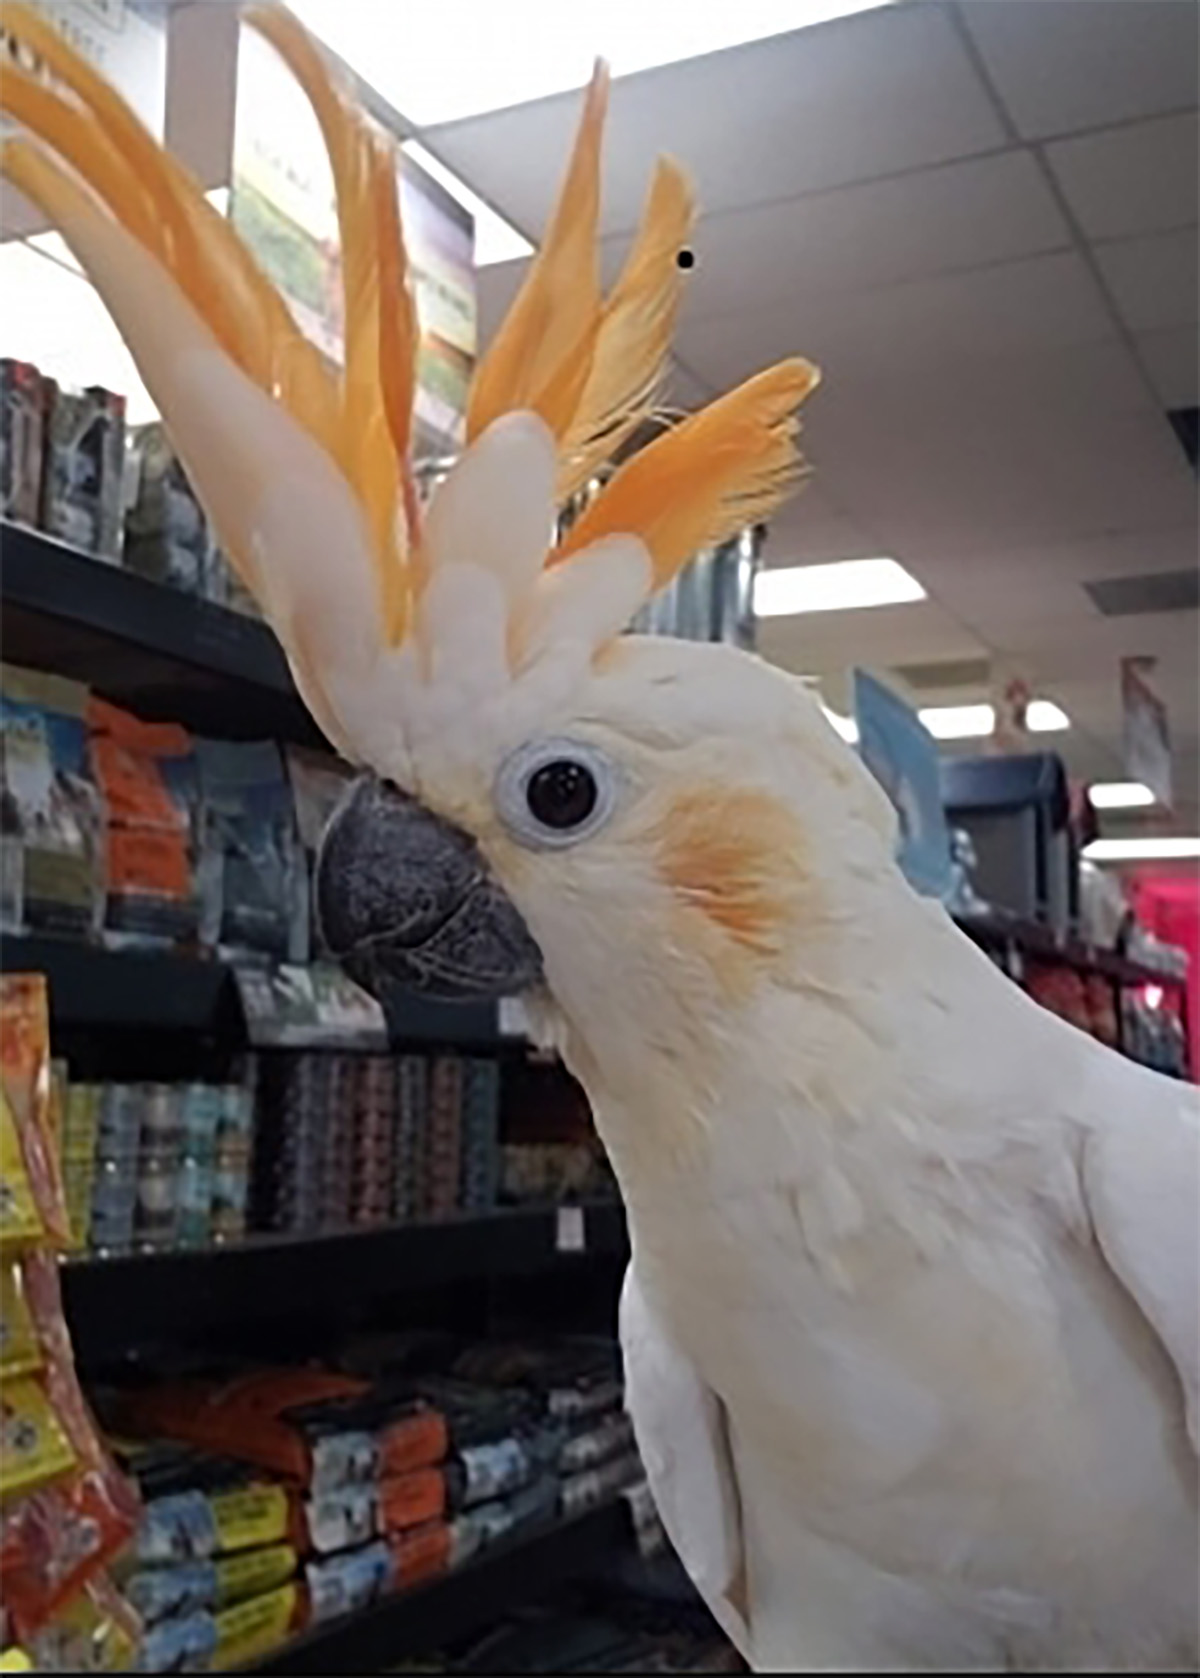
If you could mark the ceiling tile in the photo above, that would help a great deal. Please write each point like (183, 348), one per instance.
(877, 93)
(905, 330)
(1138, 179)
(877, 234)
(1155, 282)
(830, 644)
(1063, 65)
(809, 530)
(1171, 362)
(496, 286)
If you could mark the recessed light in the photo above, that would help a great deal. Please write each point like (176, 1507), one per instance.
(1165, 848)
(1043, 716)
(529, 49)
(1119, 795)
(958, 722)
(496, 240)
(977, 722)
(846, 586)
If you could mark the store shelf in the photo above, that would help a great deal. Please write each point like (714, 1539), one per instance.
(153, 649)
(103, 990)
(461, 1603)
(1042, 943)
(117, 1305)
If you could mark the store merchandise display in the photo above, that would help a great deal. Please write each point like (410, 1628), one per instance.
(280, 1499)
(66, 1511)
(69, 466)
(302, 1143)
(360, 1141)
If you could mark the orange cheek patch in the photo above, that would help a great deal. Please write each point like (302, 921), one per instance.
(736, 857)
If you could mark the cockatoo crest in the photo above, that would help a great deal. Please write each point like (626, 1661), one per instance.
(408, 632)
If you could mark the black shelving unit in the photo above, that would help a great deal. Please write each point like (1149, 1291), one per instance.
(116, 1305)
(158, 651)
(1030, 939)
(460, 1603)
(98, 989)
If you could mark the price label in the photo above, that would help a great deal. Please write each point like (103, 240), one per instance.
(513, 1021)
(571, 1235)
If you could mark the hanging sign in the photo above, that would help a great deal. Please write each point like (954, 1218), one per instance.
(903, 757)
(1147, 733)
(284, 209)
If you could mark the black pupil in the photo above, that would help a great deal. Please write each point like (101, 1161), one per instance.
(561, 794)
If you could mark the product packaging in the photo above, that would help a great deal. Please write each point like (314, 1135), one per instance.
(250, 831)
(167, 536)
(22, 423)
(51, 823)
(84, 469)
(146, 773)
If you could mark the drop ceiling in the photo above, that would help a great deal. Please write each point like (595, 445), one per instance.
(981, 220)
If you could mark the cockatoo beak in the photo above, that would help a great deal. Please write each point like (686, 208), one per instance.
(405, 900)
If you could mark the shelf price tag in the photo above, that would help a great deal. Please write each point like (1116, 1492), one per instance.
(571, 1230)
(512, 1018)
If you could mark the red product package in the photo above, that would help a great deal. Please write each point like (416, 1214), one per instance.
(245, 1419)
(420, 1553)
(413, 1441)
(53, 1542)
(409, 1500)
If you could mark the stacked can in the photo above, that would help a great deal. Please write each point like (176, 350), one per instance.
(305, 1172)
(443, 1150)
(480, 1134)
(201, 1119)
(289, 1172)
(374, 1141)
(161, 1142)
(231, 1161)
(412, 1106)
(80, 1124)
(115, 1183)
(334, 1079)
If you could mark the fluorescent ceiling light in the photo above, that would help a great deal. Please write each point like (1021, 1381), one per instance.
(787, 591)
(977, 722)
(1119, 795)
(496, 240)
(968, 722)
(1165, 848)
(1043, 716)
(959, 722)
(434, 67)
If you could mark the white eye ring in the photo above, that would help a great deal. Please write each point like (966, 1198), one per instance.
(519, 772)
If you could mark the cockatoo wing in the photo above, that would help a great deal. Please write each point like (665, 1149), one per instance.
(681, 1432)
(1141, 1182)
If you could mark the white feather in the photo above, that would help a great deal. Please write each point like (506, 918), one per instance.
(496, 508)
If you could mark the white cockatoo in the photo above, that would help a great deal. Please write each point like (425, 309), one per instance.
(910, 1326)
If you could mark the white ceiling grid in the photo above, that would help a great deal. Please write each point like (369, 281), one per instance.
(980, 218)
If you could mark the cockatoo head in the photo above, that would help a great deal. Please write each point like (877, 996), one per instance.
(538, 788)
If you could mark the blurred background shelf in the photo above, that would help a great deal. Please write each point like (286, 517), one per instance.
(1042, 943)
(461, 1603)
(117, 1305)
(160, 652)
(98, 989)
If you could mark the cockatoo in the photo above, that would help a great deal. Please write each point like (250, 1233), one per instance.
(910, 1325)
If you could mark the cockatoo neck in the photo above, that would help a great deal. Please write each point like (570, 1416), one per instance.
(692, 1095)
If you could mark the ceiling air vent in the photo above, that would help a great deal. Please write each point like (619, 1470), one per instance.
(1185, 423)
(947, 673)
(1162, 591)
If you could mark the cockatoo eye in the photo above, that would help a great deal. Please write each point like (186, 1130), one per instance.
(555, 793)
(561, 794)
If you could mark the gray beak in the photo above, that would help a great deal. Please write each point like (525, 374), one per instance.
(405, 901)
